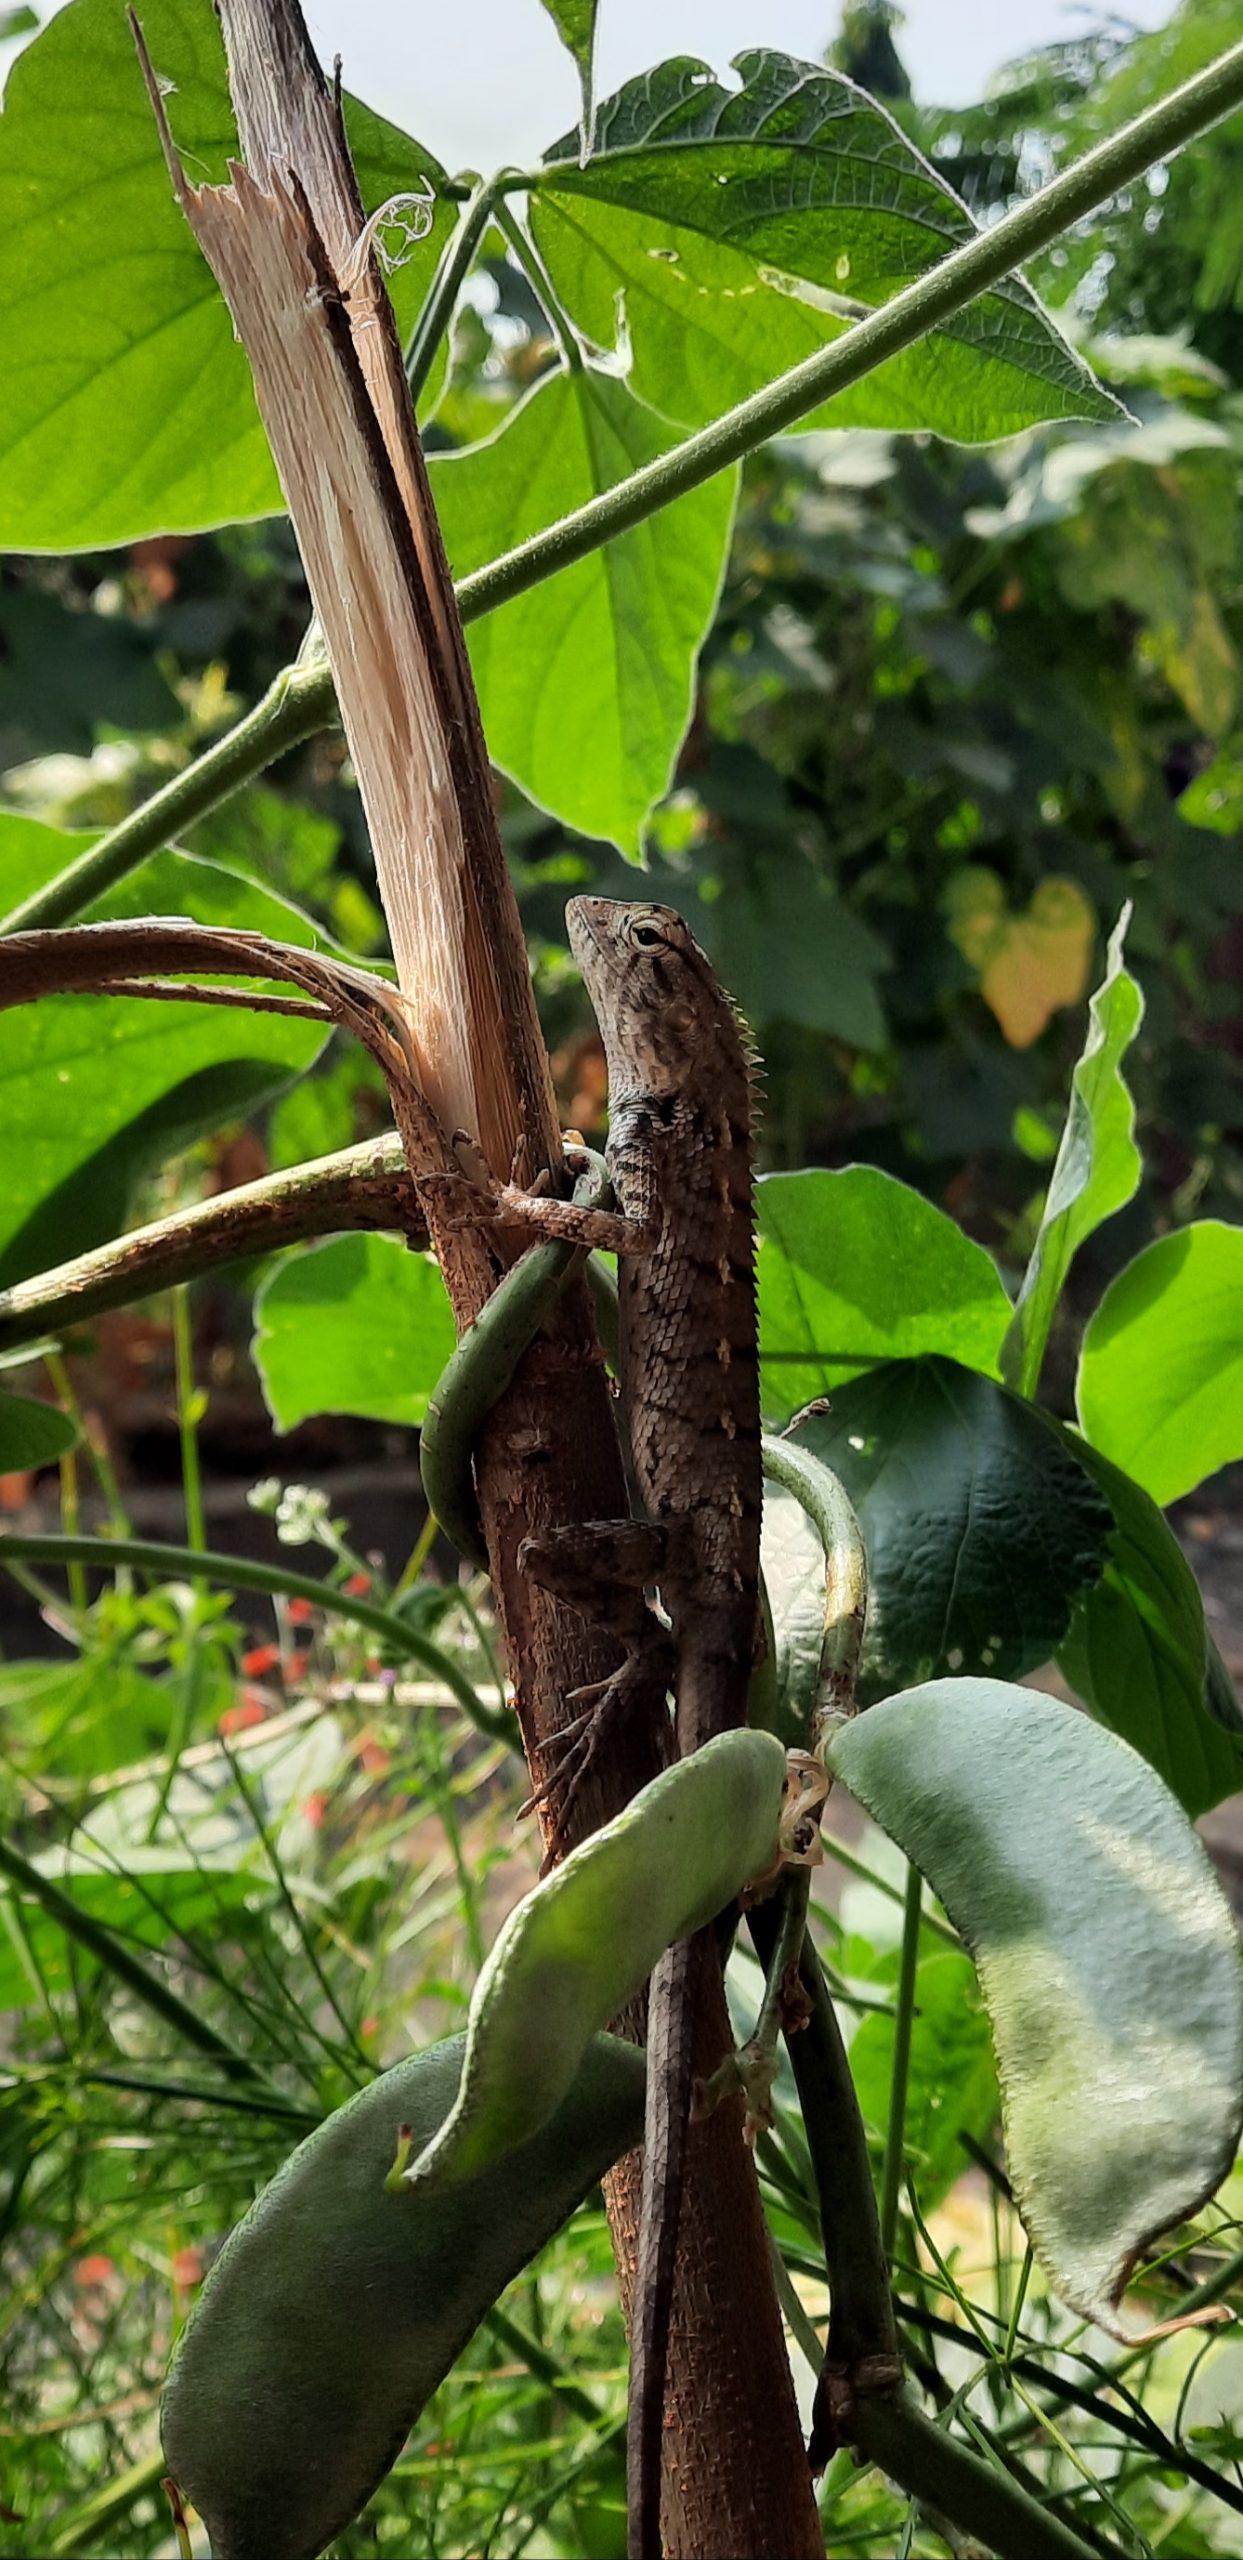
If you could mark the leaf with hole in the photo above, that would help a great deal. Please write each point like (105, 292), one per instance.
(725, 234)
(1106, 1953)
(340, 2303)
(586, 683)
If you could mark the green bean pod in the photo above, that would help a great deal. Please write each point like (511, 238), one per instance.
(339, 2304)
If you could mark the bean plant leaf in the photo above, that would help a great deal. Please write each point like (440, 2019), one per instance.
(128, 406)
(32, 1433)
(980, 1525)
(357, 1325)
(1096, 1170)
(586, 683)
(1136, 1651)
(575, 22)
(1106, 1953)
(278, 2437)
(726, 234)
(1160, 1386)
(856, 1268)
(96, 1090)
(581, 1944)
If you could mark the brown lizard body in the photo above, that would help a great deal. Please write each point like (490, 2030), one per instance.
(680, 1162)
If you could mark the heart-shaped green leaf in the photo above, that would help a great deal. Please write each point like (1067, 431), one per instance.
(128, 406)
(586, 683)
(583, 1942)
(1106, 1952)
(856, 1268)
(339, 2304)
(1160, 1386)
(357, 1325)
(739, 230)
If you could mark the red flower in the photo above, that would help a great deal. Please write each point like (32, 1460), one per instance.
(295, 1668)
(373, 1757)
(261, 1658)
(188, 2267)
(357, 1584)
(94, 2270)
(315, 1807)
(299, 1612)
(252, 1710)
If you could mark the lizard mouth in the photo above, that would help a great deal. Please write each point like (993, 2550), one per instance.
(582, 926)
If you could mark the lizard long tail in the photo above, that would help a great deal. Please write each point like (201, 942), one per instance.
(672, 2010)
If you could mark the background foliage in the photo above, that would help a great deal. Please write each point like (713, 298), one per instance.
(903, 721)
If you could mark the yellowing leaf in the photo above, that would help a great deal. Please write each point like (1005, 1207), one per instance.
(1030, 964)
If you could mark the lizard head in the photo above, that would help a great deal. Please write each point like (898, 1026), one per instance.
(664, 1018)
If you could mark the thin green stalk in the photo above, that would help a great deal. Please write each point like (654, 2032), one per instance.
(189, 1415)
(299, 701)
(862, 2328)
(444, 1803)
(519, 2342)
(359, 1186)
(948, 2476)
(450, 276)
(895, 2133)
(863, 2344)
(856, 1866)
(187, 2094)
(263, 1829)
(538, 277)
(240, 1573)
(68, 1471)
(107, 2505)
(417, 1558)
(1139, 2429)
(922, 306)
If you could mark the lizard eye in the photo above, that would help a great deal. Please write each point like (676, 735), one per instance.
(647, 936)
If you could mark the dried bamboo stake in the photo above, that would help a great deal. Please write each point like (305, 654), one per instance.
(288, 243)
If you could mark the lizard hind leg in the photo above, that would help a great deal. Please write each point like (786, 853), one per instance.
(602, 1569)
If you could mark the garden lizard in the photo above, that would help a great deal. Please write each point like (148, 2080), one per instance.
(680, 1162)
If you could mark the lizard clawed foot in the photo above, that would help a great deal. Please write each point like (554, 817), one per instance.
(576, 1748)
